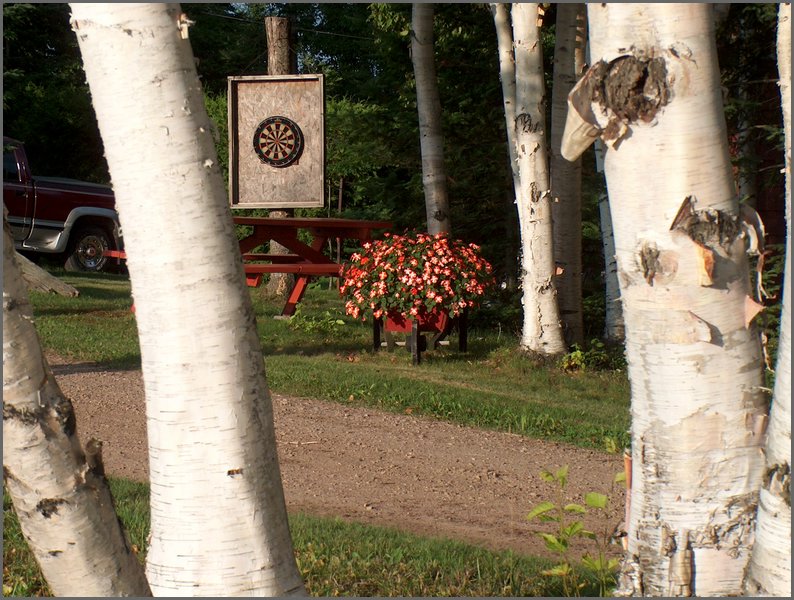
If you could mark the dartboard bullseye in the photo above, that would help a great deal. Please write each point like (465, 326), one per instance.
(278, 141)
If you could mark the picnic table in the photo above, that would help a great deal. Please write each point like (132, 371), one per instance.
(306, 260)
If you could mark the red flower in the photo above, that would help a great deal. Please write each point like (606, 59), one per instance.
(410, 275)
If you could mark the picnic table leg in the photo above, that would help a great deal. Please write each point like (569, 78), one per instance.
(301, 283)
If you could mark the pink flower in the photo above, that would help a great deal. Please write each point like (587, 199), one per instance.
(429, 270)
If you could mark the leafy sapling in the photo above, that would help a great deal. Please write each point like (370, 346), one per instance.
(568, 518)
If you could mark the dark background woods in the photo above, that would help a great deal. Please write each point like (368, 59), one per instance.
(371, 120)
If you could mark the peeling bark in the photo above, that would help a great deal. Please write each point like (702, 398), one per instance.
(695, 367)
(614, 95)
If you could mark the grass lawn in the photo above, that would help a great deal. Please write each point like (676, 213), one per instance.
(320, 353)
(335, 558)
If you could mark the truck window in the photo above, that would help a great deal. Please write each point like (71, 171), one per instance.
(10, 166)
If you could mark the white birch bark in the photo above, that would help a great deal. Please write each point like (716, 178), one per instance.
(770, 566)
(218, 517)
(698, 406)
(614, 328)
(542, 330)
(507, 77)
(38, 279)
(428, 104)
(59, 491)
(566, 176)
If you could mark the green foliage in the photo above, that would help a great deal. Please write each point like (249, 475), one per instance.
(746, 45)
(769, 319)
(217, 112)
(500, 310)
(598, 356)
(327, 323)
(46, 102)
(567, 518)
(227, 40)
(355, 148)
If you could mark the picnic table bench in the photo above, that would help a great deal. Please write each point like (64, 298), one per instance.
(306, 259)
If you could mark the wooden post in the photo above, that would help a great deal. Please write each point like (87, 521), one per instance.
(279, 62)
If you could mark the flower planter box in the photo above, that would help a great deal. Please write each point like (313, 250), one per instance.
(394, 278)
(437, 322)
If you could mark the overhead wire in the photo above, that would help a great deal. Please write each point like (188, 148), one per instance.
(302, 30)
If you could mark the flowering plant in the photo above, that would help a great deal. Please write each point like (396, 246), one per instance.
(413, 274)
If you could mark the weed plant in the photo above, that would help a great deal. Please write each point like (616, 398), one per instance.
(567, 519)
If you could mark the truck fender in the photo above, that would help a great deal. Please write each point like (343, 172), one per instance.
(94, 213)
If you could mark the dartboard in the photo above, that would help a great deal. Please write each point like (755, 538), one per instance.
(278, 141)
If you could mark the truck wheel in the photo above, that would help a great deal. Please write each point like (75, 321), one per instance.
(87, 248)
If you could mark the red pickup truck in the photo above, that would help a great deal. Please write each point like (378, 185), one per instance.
(63, 217)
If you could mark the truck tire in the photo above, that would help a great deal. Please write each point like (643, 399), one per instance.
(86, 250)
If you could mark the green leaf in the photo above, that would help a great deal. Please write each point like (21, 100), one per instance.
(588, 534)
(558, 571)
(572, 529)
(547, 476)
(595, 500)
(620, 477)
(540, 509)
(574, 508)
(562, 476)
(553, 543)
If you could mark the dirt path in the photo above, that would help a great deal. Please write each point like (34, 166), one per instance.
(412, 473)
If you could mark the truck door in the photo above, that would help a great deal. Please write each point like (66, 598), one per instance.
(17, 192)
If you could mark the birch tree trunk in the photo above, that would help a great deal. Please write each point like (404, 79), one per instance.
(507, 77)
(38, 279)
(566, 176)
(614, 329)
(428, 104)
(770, 566)
(59, 490)
(218, 518)
(542, 331)
(698, 408)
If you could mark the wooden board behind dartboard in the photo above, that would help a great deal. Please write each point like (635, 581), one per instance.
(276, 141)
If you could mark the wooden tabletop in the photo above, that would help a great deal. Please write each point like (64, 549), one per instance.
(313, 222)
